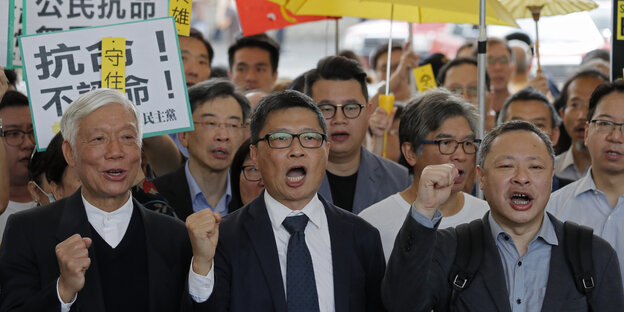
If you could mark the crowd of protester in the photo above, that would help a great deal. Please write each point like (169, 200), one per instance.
(305, 195)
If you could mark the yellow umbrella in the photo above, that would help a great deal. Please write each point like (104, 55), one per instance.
(419, 11)
(536, 8)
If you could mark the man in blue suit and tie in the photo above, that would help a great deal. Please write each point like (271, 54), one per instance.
(289, 249)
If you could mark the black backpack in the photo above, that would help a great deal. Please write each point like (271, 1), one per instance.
(578, 250)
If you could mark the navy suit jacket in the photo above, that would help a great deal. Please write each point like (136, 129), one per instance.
(377, 179)
(29, 268)
(247, 268)
(418, 269)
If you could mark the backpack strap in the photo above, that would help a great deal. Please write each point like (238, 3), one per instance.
(578, 249)
(468, 256)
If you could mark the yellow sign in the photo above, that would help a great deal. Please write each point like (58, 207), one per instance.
(114, 63)
(424, 78)
(181, 12)
(620, 16)
(386, 102)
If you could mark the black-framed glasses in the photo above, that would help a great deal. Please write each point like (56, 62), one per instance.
(251, 174)
(284, 139)
(607, 126)
(449, 146)
(16, 137)
(351, 110)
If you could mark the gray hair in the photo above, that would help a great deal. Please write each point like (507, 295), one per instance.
(426, 113)
(529, 94)
(87, 103)
(514, 125)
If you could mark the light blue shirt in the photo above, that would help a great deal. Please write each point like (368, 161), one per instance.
(526, 276)
(583, 203)
(198, 198)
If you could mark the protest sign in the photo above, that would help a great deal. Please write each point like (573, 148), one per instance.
(5, 20)
(15, 29)
(60, 66)
(53, 15)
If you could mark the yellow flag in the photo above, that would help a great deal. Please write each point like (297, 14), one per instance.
(424, 78)
(181, 12)
(386, 102)
(114, 63)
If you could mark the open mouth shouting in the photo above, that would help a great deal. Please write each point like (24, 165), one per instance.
(461, 174)
(614, 154)
(295, 176)
(115, 174)
(520, 200)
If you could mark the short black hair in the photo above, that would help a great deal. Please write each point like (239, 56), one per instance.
(437, 61)
(381, 49)
(336, 68)
(11, 76)
(194, 33)
(522, 37)
(235, 170)
(261, 41)
(298, 84)
(456, 62)
(600, 92)
(217, 88)
(13, 99)
(514, 125)
(529, 94)
(36, 166)
(279, 101)
(561, 101)
(55, 161)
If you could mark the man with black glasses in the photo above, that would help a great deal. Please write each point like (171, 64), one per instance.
(436, 128)
(19, 140)
(597, 199)
(289, 249)
(219, 113)
(355, 177)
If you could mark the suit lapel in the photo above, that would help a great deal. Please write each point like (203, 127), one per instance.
(492, 270)
(341, 236)
(260, 233)
(365, 187)
(185, 202)
(325, 190)
(156, 264)
(74, 220)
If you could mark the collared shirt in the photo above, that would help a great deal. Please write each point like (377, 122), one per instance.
(318, 242)
(112, 227)
(526, 276)
(198, 198)
(583, 203)
(565, 168)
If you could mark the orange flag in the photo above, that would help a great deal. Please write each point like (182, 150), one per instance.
(258, 16)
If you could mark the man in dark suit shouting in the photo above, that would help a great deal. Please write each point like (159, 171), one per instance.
(525, 262)
(289, 249)
(100, 250)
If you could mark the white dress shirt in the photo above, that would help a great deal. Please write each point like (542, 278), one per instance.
(317, 239)
(112, 226)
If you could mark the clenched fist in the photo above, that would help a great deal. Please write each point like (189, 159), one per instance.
(203, 229)
(434, 187)
(73, 258)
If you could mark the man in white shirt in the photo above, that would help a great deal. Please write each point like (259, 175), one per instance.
(18, 139)
(597, 199)
(332, 261)
(100, 250)
(436, 128)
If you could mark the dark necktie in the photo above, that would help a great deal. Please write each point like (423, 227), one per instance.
(300, 284)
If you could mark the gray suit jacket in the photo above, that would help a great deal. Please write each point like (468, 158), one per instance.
(417, 275)
(377, 179)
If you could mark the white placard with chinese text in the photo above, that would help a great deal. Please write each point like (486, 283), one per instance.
(62, 65)
(53, 15)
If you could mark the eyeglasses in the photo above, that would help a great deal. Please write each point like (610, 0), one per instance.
(503, 60)
(251, 174)
(350, 111)
(16, 137)
(607, 126)
(212, 125)
(279, 140)
(471, 91)
(449, 146)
